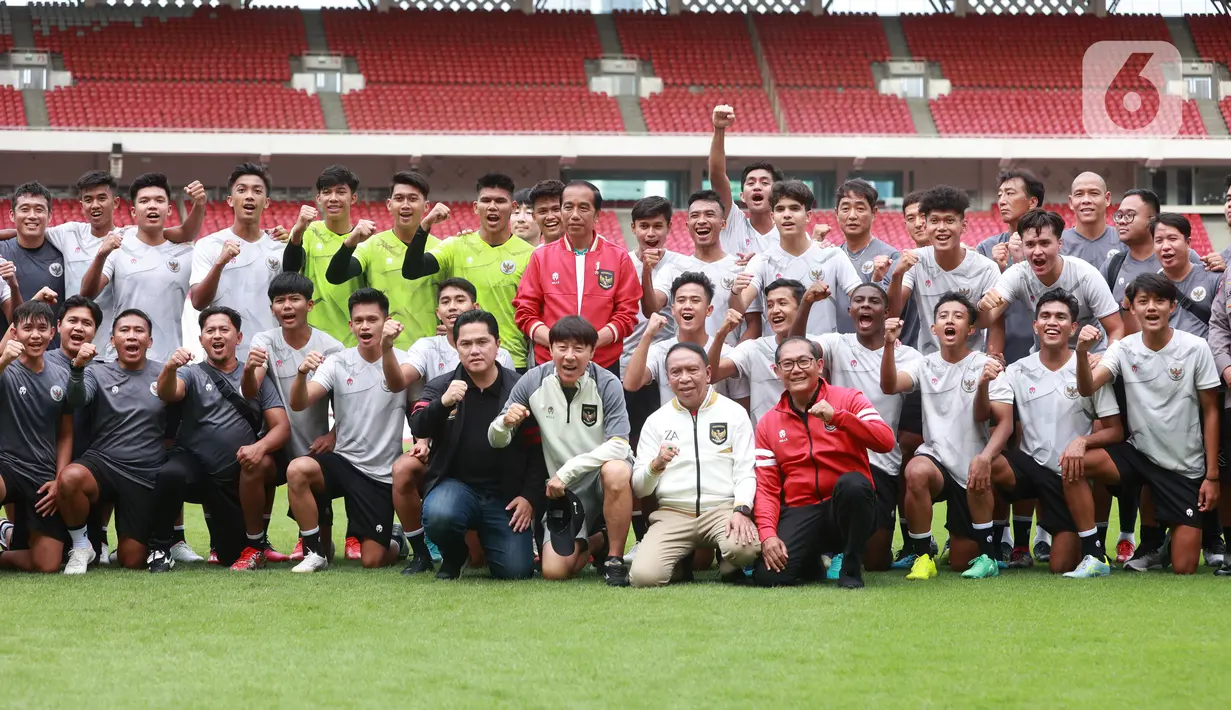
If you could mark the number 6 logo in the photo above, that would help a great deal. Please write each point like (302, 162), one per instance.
(1125, 90)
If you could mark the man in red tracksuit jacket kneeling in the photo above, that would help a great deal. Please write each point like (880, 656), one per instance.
(581, 274)
(814, 486)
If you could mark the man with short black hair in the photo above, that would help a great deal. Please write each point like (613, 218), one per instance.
(37, 263)
(220, 458)
(471, 485)
(490, 258)
(824, 271)
(36, 441)
(522, 222)
(1171, 388)
(1195, 285)
(695, 457)
(377, 259)
(367, 384)
(856, 212)
(234, 267)
(546, 199)
(581, 274)
(144, 269)
(1018, 192)
(579, 407)
(757, 231)
(313, 243)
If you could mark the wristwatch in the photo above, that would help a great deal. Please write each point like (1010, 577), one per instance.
(743, 510)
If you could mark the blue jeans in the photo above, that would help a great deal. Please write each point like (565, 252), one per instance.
(452, 508)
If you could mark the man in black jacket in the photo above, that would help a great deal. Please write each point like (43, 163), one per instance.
(470, 485)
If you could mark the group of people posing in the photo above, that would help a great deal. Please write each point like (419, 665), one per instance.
(772, 401)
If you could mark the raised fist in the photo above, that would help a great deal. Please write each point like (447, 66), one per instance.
(363, 229)
(311, 362)
(1015, 247)
(84, 355)
(818, 291)
(436, 215)
(732, 321)
(280, 233)
(307, 215)
(179, 358)
(8, 270)
(724, 116)
(230, 250)
(257, 357)
(650, 258)
(1086, 339)
(880, 267)
(819, 232)
(992, 369)
(822, 409)
(516, 415)
(46, 295)
(455, 393)
(390, 333)
(655, 324)
(13, 349)
(196, 193)
(1000, 255)
(908, 259)
(111, 242)
(992, 300)
(893, 330)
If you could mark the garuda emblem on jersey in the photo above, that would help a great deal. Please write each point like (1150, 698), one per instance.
(173, 265)
(815, 274)
(56, 270)
(274, 264)
(969, 385)
(728, 282)
(606, 279)
(1070, 391)
(1175, 372)
(718, 434)
(589, 414)
(507, 267)
(1198, 294)
(866, 267)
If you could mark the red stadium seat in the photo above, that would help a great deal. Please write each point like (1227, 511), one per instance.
(181, 105)
(681, 110)
(12, 108)
(691, 49)
(1040, 112)
(851, 111)
(826, 50)
(383, 107)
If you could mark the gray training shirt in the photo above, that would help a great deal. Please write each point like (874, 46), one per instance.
(31, 405)
(1018, 318)
(212, 429)
(36, 268)
(862, 261)
(128, 419)
(1094, 252)
(1199, 288)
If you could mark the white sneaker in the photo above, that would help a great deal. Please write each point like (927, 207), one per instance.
(181, 552)
(631, 554)
(312, 562)
(114, 559)
(79, 558)
(104, 557)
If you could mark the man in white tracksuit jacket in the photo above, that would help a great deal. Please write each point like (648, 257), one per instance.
(696, 457)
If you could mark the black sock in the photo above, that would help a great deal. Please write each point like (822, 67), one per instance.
(1021, 530)
(1104, 534)
(905, 533)
(177, 534)
(1092, 544)
(920, 545)
(639, 525)
(1211, 531)
(1128, 510)
(852, 566)
(266, 522)
(1151, 537)
(418, 544)
(312, 542)
(998, 527)
(988, 537)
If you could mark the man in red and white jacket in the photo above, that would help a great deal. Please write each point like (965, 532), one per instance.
(814, 485)
(581, 274)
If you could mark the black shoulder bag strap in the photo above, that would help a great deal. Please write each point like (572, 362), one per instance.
(245, 409)
(1113, 268)
(1200, 310)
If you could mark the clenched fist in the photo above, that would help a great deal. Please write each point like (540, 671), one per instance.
(455, 393)
(819, 232)
(230, 250)
(516, 415)
(84, 355)
(818, 291)
(307, 215)
(650, 258)
(992, 300)
(822, 409)
(893, 330)
(1000, 255)
(111, 242)
(436, 215)
(360, 233)
(179, 358)
(257, 357)
(46, 295)
(724, 116)
(666, 454)
(311, 362)
(12, 350)
(880, 267)
(8, 270)
(280, 233)
(389, 333)
(1087, 338)
(196, 193)
(732, 321)
(655, 324)
(992, 369)
(908, 259)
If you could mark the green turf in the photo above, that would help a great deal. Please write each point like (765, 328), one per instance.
(347, 637)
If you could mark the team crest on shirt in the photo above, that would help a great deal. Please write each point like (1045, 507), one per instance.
(866, 267)
(968, 385)
(507, 267)
(1112, 252)
(56, 269)
(606, 279)
(1070, 391)
(830, 427)
(728, 283)
(453, 413)
(815, 274)
(209, 387)
(384, 386)
(589, 414)
(274, 264)
(1175, 372)
(56, 392)
(154, 388)
(350, 381)
(115, 389)
(173, 265)
(854, 362)
(551, 411)
(1031, 390)
(1198, 294)
(718, 434)
(965, 291)
(927, 282)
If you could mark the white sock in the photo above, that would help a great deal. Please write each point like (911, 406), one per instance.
(1007, 535)
(254, 540)
(416, 533)
(1041, 535)
(1131, 537)
(80, 541)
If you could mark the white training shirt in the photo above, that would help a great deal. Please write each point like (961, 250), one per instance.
(433, 357)
(852, 365)
(668, 264)
(754, 359)
(79, 246)
(950, 433)
(928, 282)
(1082, 281)
(1160, 390)
(1051, 412)
(740, 237)
(816, 264)
(244, 283)
(369, 418)
(656, 363)
(282, 365)
(722, 273)
(155, 280)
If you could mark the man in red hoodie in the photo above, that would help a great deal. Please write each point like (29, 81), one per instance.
(581, 274)
(814, 485)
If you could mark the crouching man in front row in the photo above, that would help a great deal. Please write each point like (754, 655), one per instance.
(696, 457)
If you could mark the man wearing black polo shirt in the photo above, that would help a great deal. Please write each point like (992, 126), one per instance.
(470, 485)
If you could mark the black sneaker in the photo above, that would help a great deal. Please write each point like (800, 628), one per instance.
(447, 570)
(846, 581)
(1224, 571)
(159, 561)
(420, 564)
(615, 573)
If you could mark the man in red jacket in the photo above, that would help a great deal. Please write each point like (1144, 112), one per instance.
(814, 485)
(581, 274)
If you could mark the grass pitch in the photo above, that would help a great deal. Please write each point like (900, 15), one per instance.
(205, 637)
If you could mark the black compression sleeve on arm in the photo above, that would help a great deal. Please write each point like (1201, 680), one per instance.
(417, 264)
